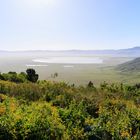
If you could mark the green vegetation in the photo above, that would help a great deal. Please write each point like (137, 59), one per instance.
(130, 66)
(30, 75)
(58, 111)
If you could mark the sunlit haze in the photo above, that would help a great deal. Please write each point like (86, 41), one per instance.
(69, 24)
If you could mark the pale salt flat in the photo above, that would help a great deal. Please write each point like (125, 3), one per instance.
(70, 60)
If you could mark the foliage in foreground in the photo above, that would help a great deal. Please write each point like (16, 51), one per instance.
(58, 111)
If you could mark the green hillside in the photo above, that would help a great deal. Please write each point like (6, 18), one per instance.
(131, 66)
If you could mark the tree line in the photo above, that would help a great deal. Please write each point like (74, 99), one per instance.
(22, 77)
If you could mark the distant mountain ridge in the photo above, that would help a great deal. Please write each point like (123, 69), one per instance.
(133, 52)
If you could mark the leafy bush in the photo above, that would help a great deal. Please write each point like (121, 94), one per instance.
(58, 111)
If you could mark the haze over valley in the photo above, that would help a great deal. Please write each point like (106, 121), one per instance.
(73, 66)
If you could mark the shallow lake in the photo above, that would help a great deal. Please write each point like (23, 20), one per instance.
(69, 60)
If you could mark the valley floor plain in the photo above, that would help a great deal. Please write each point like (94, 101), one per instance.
(79, 74)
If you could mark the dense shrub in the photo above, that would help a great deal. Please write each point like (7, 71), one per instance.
(14, 77)
(58, 111)
(39, 120)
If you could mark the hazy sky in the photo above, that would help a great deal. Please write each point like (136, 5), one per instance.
(69, 24)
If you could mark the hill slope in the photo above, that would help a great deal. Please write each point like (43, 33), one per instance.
(130, 66)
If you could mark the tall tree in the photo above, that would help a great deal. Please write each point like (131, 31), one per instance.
(31, 75)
